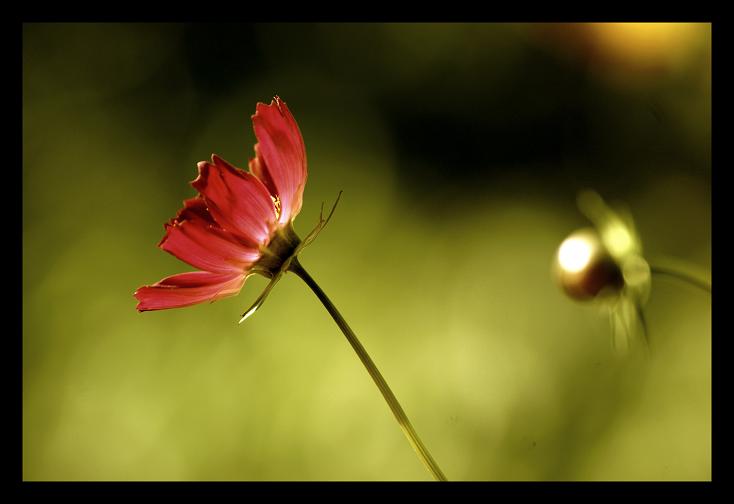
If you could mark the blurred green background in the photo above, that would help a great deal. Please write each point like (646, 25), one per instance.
(460, 149)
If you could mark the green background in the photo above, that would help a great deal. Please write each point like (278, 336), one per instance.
(460, 149)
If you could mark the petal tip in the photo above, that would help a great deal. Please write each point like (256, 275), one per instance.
(275, 103)
(139, 307)
(203, 168)
(278, 102)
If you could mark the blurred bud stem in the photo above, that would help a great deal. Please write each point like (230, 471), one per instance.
(690, 278)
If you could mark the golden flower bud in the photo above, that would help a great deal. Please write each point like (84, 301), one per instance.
(584, 267)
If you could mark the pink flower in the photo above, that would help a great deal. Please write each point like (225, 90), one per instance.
(241, 222)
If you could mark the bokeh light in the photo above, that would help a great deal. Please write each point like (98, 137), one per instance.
(574, 254)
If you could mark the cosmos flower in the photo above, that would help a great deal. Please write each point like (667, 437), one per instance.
(241, 222)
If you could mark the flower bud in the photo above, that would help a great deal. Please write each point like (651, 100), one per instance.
(584, 267)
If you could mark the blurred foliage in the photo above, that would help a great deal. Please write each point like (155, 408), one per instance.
(460, 149)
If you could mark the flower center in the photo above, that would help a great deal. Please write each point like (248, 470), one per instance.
(276, 204)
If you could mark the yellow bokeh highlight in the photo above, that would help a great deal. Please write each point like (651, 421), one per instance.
(574, 254)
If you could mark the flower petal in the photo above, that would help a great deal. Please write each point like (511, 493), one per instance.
(186, 289)
(280, 160)
(196, 239)
(237, 200)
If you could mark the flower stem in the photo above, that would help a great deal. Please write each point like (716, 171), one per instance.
(397, 410)
(680, 275)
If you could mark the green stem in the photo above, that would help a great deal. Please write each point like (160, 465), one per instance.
(696, 282)
(397, 410)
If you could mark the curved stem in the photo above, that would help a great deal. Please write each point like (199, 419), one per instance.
(696, 282)
(397, 410)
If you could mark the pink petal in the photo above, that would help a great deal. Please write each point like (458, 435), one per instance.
(237, 200)
(186, 289)
(196, 239)
(194, 207)
(280, 160)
